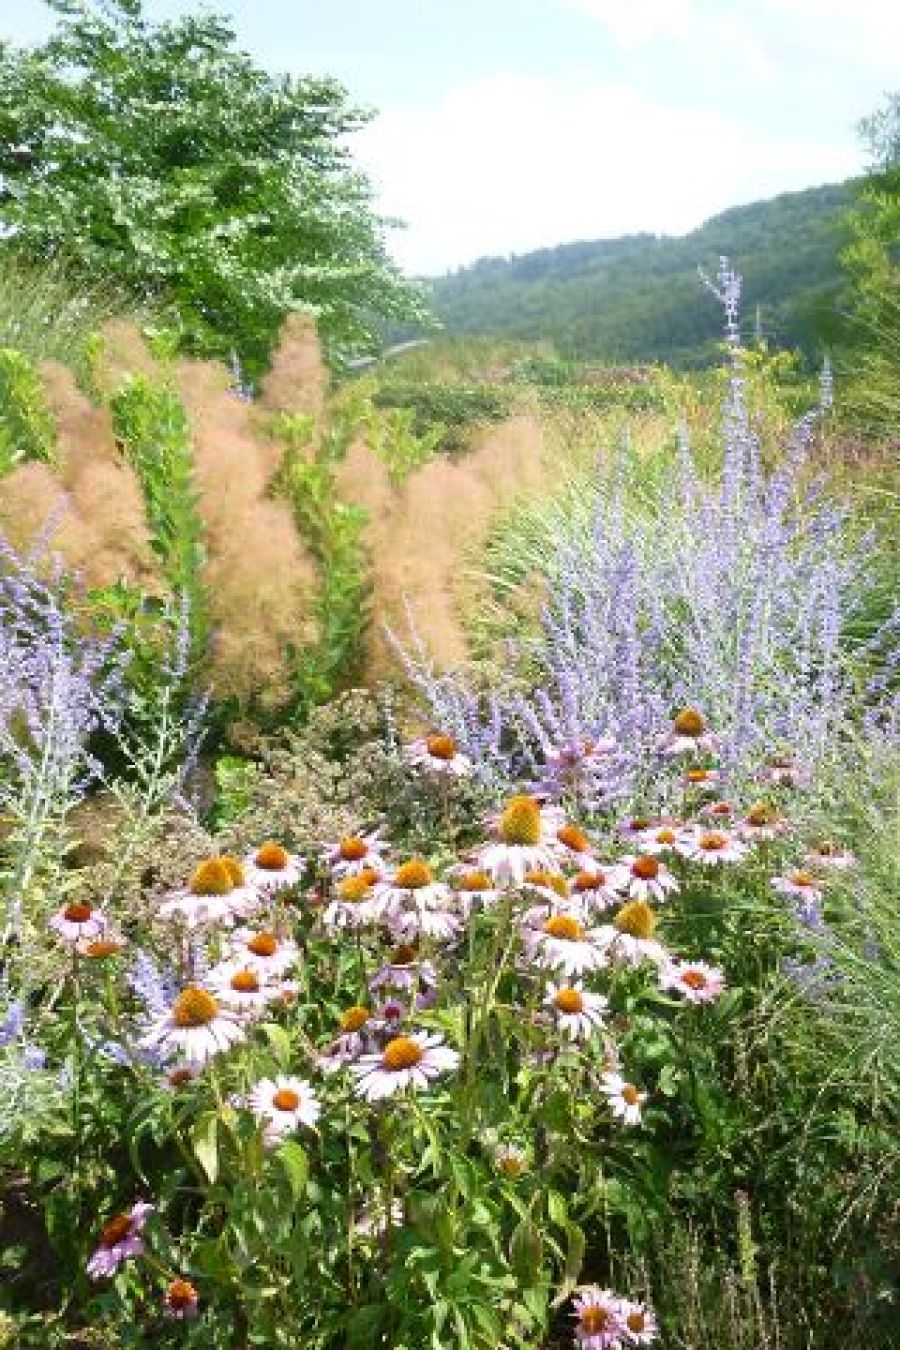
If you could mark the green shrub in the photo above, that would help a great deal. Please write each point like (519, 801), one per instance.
(26, 426)
(333, 531)
(454, 408)
(152, 427)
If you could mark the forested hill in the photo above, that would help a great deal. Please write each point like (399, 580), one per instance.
(638, 298)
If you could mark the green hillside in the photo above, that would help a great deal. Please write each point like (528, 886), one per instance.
(638, 298)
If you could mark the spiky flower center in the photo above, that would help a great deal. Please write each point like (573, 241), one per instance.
(402, 1053)
(178, 1077)
(761, 814)
(564, 928)
(404, 955)
(263, 944)
(636, 919)
(595, 1319)
(665, 835)
(721, 809)
(551, 881)
(211, 877)
(636, 1322)
(698, 775)
(245, 982)
(638, 823)
(512, 1164)
(712, 842)
(689, 722)
(694, 979)
(77, 913)
(569, 1001)
(194, 1008)
(803, 879)
(589, 881)
(180, 1295)
(441, 747)
(413, 875)
(645, 869)
(630, 1095)
(272, 857)
(285, 1099)
(573, 838)
(354, 889)
(355, 1018)
(115, 1231)
(101, 948)
(521, 822)
(352, 848)
(234, 869)
(474, 881)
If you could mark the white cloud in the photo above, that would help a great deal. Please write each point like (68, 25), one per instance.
(636, 22)
(511, 163)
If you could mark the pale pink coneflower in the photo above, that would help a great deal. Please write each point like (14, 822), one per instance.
(217, 893)
(412, 1061)
(438, 754)
(577, 1013)
(524, 842)
(261, 950)
(830, 855)
(473, 889)
(78, 923)
(688, 735)
(120, 1239)
(697, 981)
(638, 1322)
(785, 771)
(356, 1036)
(245, 989)
(404, 970)
(572, 847)
(660, 839)
(562, 942)
(196, 1028)
(799, 884)
(181, 1300)
(712, 847)
(598, 1323)
(624, 1098)
(511, 1160)
(762, 823)
(282, 1105)
(592, 891)
(701, 780)
(721, 812)
(641, 877)
(271, 867)
(354, 904)
(356, 853)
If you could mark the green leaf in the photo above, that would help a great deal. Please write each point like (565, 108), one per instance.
(292, 1157)
(526, 1250)
(204, 1142)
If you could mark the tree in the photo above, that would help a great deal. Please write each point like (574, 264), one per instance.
(872, 259)
(159, 156)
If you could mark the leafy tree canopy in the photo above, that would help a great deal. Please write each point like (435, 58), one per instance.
(159, 156)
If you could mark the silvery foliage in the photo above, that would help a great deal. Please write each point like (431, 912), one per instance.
(734, 596)
(61, 684)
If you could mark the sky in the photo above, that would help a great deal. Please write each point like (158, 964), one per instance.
(508, 125)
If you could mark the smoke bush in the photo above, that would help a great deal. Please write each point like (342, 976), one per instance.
(733, 596)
